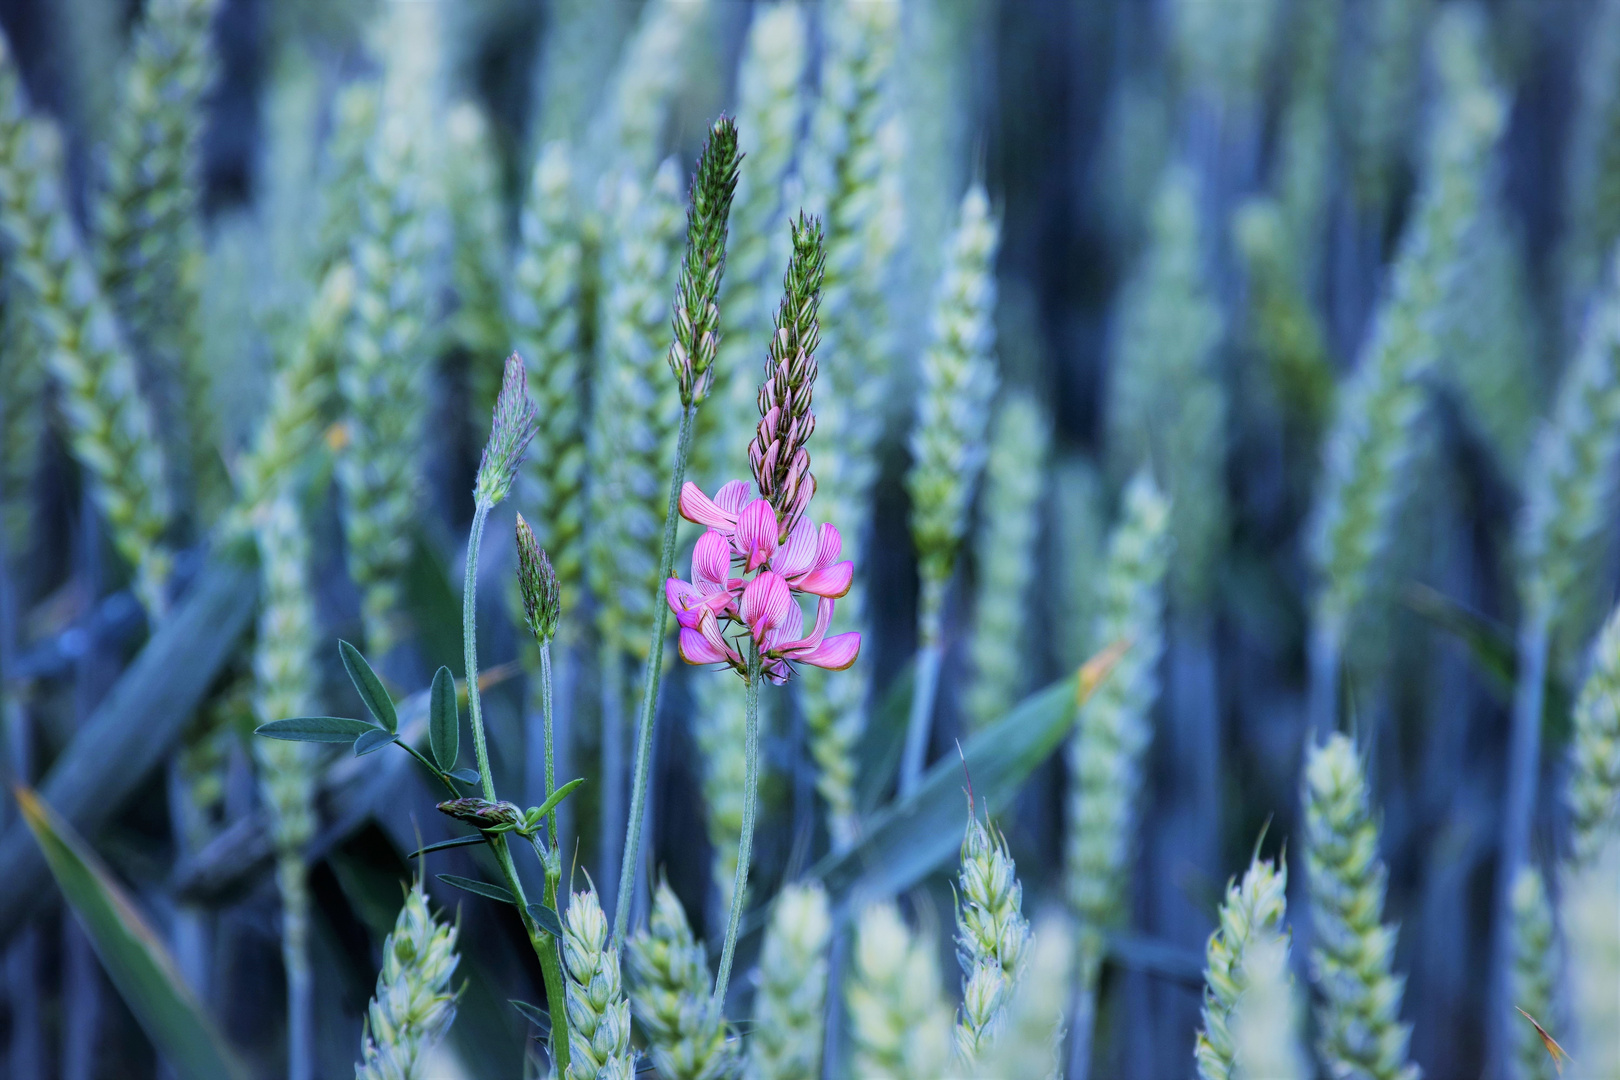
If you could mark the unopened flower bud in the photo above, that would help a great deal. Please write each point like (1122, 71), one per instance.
(482, 813)
(542, 599)
(509, 436)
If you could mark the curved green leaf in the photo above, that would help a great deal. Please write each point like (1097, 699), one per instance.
(444, 720)
(375, 739)
(130, 951)
(370, 688)
(558, 796)
(322, 729)
(482, 888)
(546, 919)
(536, 1016)
(445, 845)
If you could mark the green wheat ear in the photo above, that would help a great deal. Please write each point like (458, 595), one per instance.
(670, 995)
(1593, 794)
(790, 1003)
(1253, 909)
(1351, 962)
(147, 242)
(1534, 975)
(1114, 727)
(1266, 1024)
(992, 937)
(899, 1022)
(111, 429)
(1590, 897)
(1032, 1028)
(1166, 404)
(598, 1014)
(413, 1006)
(1005, 555)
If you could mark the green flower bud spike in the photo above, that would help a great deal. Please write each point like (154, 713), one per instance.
(509, 436)
(542, 596)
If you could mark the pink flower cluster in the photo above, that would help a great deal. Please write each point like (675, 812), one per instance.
(743, 536)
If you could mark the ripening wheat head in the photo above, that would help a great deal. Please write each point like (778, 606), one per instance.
(1252, 908)
(957, 380)
(598, 1014)
(1167, 407)
(1113, 728)
(899, 1022)
(636, 409)
(1005, 555)
(992, 937)
(670, 995)
(1265, 1027)
(109, 423)
(1353, 950)
(413, 1006)
(1031, 1033)
(1594, 780)
(790, 1001)
(1369, 448)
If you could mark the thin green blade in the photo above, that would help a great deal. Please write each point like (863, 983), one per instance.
(369, 687)
(133, 956)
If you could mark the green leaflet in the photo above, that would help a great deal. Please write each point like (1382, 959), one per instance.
(480, 888)
(369, 687)
(444, 720)
(130, 951)
(322, 729)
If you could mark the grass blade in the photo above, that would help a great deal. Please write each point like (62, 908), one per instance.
(134, 959)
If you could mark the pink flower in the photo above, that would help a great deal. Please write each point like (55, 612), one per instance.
(747, 531)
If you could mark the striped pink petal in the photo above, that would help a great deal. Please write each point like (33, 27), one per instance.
(697, 649)
(832, 582)
(755, 538)
(711, 561)
(835, 653)
(798, 554)
(766, 601)
(699, 508)
(732, 496)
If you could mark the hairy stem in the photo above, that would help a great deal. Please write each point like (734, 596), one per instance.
(545, 946)
(745, 843)
(551, 760)
(649, 684)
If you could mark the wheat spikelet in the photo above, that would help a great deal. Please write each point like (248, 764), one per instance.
(1533, 978)
(670, 994)
(1361, 1033)
(1253, 908)
(1266, 1024)
(1006, 556)
(413, 1007)
(789, 1003)
(1594, 781)
(1113, 728)
(110, 425)
(1027, 1048)
(147, 245)
(899, 1022)
(650, 71)
(598, 1014)
(992, 937)
(635, 409)
(1166, 406)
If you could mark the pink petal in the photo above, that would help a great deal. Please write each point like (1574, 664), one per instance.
(833, 582)
(732, 497)
(765, 603)
(699, 508)
(711, 561)
(798, 554)
(755, 537)
(829, 543)
(696, 649)
(684, 601)
(792, 628)
(836, 653)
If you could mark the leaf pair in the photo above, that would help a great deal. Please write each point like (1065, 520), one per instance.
(444, 718)
(543, 916)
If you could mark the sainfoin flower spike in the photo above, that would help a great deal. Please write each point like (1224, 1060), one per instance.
(742, 538)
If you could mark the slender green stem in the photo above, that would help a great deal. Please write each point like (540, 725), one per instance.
(432, 768)
(544, 945)
(649, 684)
(545, 714)
(930, 624)
(745, 843)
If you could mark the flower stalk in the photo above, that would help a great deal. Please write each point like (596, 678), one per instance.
(696, 322)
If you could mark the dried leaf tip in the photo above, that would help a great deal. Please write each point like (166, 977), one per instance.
(542, 598)
(696, 315)
(780, 461)
(509, 434)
